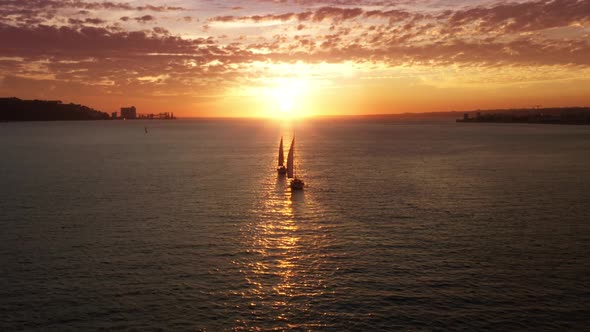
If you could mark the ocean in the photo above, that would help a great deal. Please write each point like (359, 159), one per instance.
(413, 226)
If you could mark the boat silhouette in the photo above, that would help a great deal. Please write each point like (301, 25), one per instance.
(281, 169)
(296, 183)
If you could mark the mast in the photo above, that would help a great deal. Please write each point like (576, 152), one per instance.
(293, 143)
(294, 173)
(281, 154)
(290, 160)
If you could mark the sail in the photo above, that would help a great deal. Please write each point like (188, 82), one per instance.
(281, 154)
(290, 161)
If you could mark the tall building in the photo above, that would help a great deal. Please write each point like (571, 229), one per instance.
(128, 112)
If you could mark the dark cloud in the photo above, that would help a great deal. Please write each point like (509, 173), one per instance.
(384, 3)
(145, 18)
(84, 5)
(161, 31)
(90, 41)
(319, 15)
(518, 17)
(95, 21)
(337, 14)
(392, 15)
(33, 12)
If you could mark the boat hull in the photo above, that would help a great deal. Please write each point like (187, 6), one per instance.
(297, 184)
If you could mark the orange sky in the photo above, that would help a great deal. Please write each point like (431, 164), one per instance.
(304, 58)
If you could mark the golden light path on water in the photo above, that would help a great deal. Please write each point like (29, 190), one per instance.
(284, 266)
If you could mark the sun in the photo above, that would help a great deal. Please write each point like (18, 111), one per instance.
(286, 97)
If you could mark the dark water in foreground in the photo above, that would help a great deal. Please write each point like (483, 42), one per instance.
(403, 227)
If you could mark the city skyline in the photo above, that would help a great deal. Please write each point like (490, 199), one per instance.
(270, 58)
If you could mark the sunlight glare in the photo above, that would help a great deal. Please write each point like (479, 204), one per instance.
(286, 97)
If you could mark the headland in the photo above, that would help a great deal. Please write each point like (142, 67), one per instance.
(558, 115)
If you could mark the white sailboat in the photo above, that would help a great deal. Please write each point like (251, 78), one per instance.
(281, 169)
(296, 184)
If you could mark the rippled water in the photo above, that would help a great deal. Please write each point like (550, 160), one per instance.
(403, 226)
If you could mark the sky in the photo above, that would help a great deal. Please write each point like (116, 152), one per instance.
(273, 58)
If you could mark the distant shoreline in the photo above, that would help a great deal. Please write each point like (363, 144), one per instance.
(13, 109)
(558, 115)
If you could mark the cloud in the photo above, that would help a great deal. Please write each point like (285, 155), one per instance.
(145, 18)
(322, 3)
(487, 35)
(84, 5)
(319, 15)
(392, 15)
(337, 14)
(90, 41)
(519, 17)
(44, 41)
(497, 18)
(33, 12)
(95, 21)
(103, 56)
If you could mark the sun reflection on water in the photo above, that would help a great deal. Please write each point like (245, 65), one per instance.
(277, 241)
(280, 267)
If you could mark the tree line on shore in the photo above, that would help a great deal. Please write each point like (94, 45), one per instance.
(15, 109)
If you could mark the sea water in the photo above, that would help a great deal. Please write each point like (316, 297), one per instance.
(401, 226)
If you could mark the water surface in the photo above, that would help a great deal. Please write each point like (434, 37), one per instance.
(403, 226)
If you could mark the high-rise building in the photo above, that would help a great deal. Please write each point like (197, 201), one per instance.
(128, 112)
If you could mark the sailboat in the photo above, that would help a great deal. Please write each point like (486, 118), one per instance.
(281, 169)
(296, 184)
